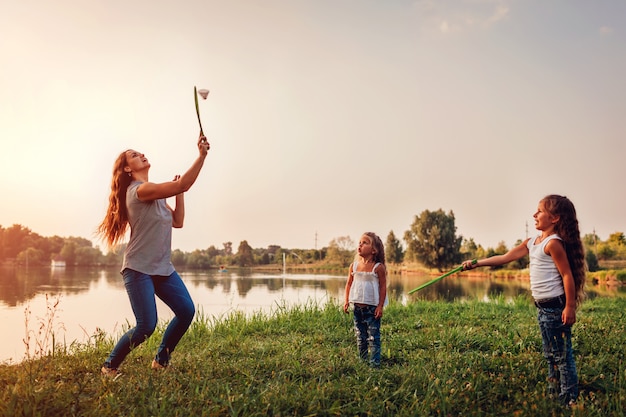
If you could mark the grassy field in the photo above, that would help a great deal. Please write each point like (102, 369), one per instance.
(439, 359)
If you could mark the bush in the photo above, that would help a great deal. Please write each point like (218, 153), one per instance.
(592, 261)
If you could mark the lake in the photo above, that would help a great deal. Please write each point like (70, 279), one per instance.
(76, 303)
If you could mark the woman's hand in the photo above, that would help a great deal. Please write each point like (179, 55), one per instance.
(176, 178)
(203, 145)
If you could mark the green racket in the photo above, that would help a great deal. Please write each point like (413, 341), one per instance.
(431, 282)
(195, 97)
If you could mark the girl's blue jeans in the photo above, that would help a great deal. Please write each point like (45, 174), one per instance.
(367, 330)
(141, 289)
(557, 349)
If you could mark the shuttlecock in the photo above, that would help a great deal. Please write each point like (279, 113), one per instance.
(203, 93)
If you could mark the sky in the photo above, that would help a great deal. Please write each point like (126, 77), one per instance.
(326, 118)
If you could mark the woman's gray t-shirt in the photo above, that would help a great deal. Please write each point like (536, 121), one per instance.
(149, 249)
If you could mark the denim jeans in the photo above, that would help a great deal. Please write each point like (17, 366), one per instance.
(141, 289)
(367, 330)
(557, 349)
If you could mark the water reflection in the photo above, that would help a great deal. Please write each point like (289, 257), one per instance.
(92, 299)
(19, 285)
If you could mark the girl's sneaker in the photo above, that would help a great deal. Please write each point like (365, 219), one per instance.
(553, 387)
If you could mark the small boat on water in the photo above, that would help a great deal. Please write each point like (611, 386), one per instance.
(57, 263)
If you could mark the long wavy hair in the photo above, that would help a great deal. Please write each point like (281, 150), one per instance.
(113, 227)
(377, 243)
(568, 231)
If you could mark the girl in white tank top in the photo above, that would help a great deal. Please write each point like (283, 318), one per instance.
(366, 291)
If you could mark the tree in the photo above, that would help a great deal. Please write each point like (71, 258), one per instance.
(245, 256)
(264, 259)
(393, 249)
(197, 260)
(68, 252)
(212, 251)
(501, 249)
(178, 258)
(522, 262)
(590, 239)
(606, 252)
(113, 258)
(409, 254)
(13, 240)
(31, 256)
(87, 255)
(55, 244)
(592, 261)
(617, 239)
(433, 240)
(341, 250)
(469, 249)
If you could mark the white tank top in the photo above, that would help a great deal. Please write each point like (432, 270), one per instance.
(545, 279)
(365, 287)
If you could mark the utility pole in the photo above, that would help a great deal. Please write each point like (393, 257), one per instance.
(526, 229)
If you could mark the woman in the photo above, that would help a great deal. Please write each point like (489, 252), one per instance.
(147, 268)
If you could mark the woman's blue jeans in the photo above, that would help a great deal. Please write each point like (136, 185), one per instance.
(557, 349)
(367, 330)
(141, 289)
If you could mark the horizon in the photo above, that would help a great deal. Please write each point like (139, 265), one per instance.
(235, 245)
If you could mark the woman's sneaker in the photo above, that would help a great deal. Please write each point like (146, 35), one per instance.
(110, 372)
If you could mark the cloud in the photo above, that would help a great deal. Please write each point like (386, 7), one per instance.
(447, 17)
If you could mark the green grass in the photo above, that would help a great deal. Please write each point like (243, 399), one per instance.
(439, 359)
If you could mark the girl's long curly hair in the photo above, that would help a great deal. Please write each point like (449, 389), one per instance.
(113, 227)
(568, 231)
(377, 243)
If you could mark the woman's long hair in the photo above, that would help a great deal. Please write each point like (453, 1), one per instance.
(113, 227)
(568, 231)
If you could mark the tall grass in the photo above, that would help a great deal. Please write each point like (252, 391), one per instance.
(440, 359)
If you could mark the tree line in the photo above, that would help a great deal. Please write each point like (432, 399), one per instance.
(431, 241)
